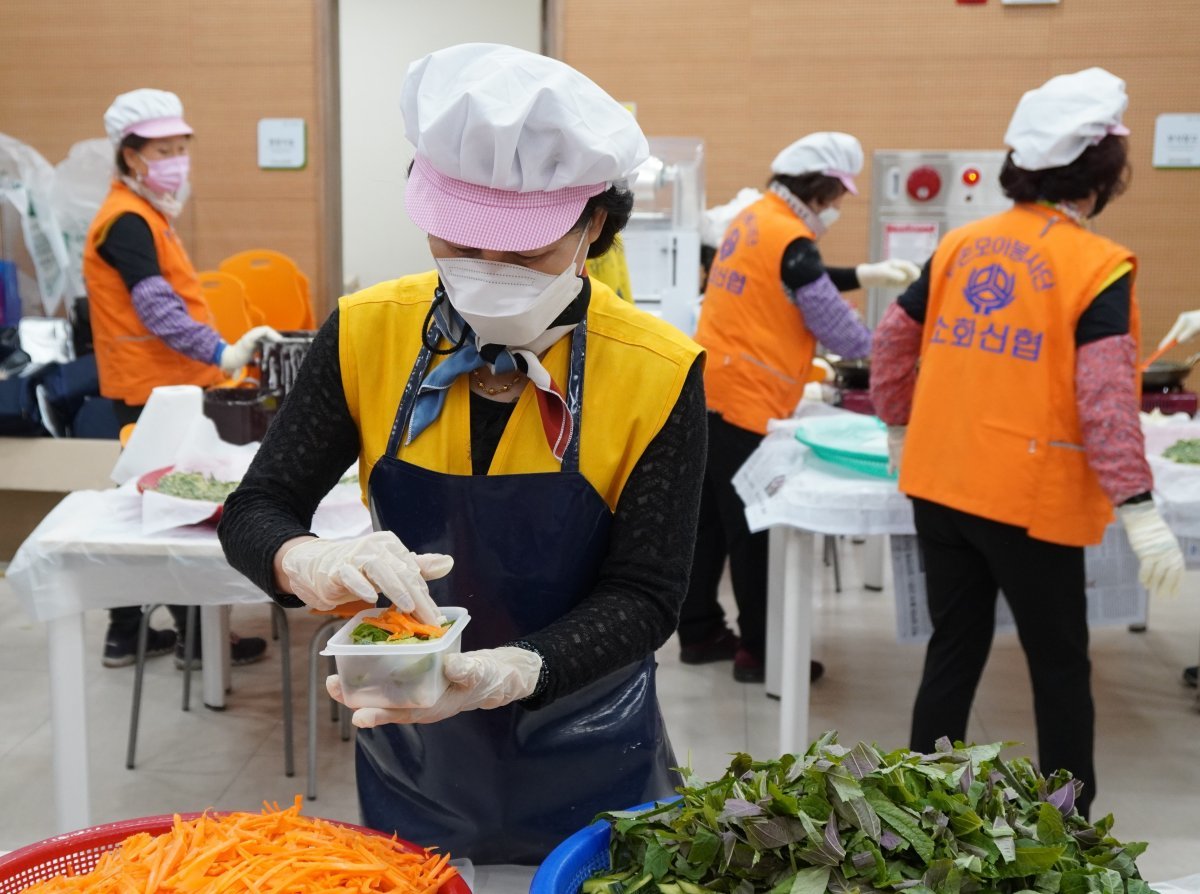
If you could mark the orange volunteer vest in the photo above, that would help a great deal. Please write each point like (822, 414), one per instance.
(131, 360)
(759, 349)
(633, 375)
(994, 428)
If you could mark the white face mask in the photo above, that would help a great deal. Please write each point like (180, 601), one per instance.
(507, 304)
(828, 216)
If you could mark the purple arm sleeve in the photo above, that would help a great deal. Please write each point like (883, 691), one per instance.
(1107, 402)
(162, 312)
(894, 365)
(831, 319)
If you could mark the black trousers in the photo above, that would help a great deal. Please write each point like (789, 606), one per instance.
(123, 622)
(722, 533)
(967, 558)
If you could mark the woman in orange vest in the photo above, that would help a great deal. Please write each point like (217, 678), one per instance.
(768, 302)
(516, 415)
(150, 325)
(1022, 423)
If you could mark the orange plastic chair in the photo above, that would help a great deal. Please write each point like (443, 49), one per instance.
(226, 299)
(310, 322)
(273, 285)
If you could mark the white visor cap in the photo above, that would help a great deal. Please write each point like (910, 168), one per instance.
(828, 152)
(1056, 122)
(149, 113)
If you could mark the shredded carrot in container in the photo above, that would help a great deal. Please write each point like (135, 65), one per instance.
(275, 852)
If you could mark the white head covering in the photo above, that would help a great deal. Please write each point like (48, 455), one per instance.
(152, 114)
(1055, 123)
(510, 145)
(828, 152)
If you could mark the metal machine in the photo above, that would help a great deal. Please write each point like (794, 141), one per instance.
(918, 196)
(662, 240)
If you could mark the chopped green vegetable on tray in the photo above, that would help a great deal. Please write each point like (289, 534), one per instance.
(858, 821)
(195, 486)
(1186, 450)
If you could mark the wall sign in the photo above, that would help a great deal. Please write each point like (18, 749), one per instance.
(910, 240)
(282, 144)
(1177, 141)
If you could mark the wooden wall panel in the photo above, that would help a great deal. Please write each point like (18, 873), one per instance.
(750, 76)
(231, 62)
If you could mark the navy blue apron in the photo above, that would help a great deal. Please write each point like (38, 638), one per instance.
(506, 785)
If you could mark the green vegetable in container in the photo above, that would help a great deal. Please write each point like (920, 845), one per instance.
(195, 486)
(1186, 450)
(857, 821)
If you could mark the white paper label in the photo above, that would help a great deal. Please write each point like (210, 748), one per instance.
(913, 241)
(1177, 141)
(281, 143)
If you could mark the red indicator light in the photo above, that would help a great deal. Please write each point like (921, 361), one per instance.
(970, 176)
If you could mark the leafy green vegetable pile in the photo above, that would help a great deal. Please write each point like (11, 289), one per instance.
(855, 821)
(195, 486)
(1186, 450)
(366, 634)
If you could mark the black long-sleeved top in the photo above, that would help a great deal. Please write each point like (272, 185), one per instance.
(634, 606)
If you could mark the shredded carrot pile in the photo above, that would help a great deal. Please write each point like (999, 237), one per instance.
(275, 852)
(400, 625)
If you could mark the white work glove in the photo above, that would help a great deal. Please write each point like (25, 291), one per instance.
(1185, 328)
(485, 678)
(327, 573)
(242, 351)
(895, 435)
(1158, 551)
(892, 274)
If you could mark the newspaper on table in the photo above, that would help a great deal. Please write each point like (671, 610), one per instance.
(1114, 596)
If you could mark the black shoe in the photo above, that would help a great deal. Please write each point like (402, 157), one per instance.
(748, 668)
(721, 646)
(242, 650)
(816, 670)
(1189, 675)
(121, 649)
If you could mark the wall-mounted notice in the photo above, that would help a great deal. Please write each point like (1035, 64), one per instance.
(910, 240)
(281, 144)
(1177, 141)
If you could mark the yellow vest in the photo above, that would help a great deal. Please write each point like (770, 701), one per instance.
(612, 269)
(634, 372)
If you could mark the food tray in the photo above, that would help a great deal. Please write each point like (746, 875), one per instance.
(81, 851)
(400, 675)
(150, 480)
(852, 441)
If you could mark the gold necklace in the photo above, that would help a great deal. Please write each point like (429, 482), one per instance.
(501, 390)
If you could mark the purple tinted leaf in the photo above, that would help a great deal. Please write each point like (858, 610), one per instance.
(861, 760)
(889, 840)
(770, 834)
(863, 859)
(966, 780)
(1063, 798)
(740, 807)
(943, 746)
(728, 840)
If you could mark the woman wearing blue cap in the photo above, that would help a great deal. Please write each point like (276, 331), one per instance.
(529, 446)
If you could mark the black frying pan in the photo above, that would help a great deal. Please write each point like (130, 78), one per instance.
(852, 373)
(1164, 374)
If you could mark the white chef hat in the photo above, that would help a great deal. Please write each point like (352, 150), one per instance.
(1055, 123)
(152, 114)
(510, 145)
(828, 152)
(716, 220)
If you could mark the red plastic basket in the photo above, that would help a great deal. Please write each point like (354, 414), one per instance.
(81, 851)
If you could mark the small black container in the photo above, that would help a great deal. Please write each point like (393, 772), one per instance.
(241, 415)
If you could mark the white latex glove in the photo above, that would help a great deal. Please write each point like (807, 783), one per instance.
(326, 573)
(242, 351)
(485, 678)
(1185, 328)
(1158, 551)
(892, 274)
(895, 435)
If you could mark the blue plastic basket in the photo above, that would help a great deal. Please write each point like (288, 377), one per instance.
(569, 865)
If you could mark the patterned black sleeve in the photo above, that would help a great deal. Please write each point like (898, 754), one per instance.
(311, 443)
(634, 607)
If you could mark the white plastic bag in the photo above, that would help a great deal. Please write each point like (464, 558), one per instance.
(26, 186)
(81, 183)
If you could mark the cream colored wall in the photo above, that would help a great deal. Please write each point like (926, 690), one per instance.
(231, 61)
(750, 76)
(379, 39)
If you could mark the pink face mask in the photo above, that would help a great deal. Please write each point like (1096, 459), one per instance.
(166, 176)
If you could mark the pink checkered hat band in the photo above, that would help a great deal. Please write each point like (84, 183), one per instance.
(845, 177)
(494, 219)
(156, 128)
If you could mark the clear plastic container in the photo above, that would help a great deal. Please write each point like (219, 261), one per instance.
(394, 675)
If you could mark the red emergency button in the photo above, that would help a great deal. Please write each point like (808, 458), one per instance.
(924, 183)
(970, 176)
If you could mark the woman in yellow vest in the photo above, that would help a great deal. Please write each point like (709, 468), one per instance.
(150, 325)
(768, 302)
(529, 444)
(1022, 423)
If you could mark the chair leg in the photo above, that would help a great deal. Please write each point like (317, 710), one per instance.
(314, 698)
(344, 716)
(189, 653)
(334, 715)
(837, 567)
(275, 626)
(138, 672)
(280, 623)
